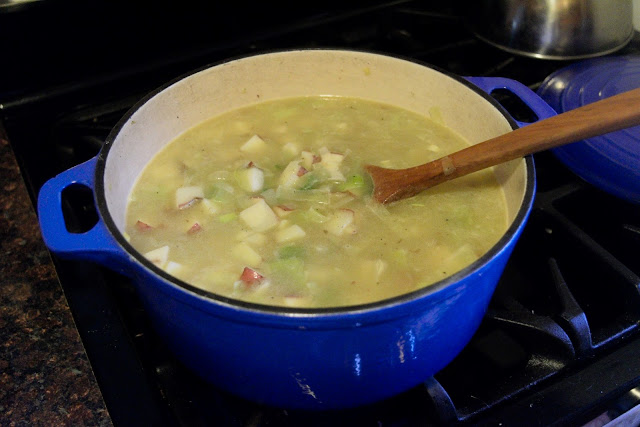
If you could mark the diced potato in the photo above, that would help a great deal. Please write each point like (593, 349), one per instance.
(245, 254)
(259, 216)
(254, 145)
(331, 162)
(341, 222)
(306, 159)
(291, 149)
(158, 256)
(252, 238)
(250, 179)
(291, 233)
(256, 239)
(283, 224)
(174, 268)
(289, 176)
(187, 196)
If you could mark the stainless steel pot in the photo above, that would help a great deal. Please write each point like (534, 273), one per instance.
(554, 29)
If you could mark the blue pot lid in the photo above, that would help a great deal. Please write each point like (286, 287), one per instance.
(610, 162)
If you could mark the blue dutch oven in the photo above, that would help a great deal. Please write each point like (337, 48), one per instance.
(610, 162)
(295, 357)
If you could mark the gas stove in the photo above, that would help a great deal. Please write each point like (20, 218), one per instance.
(559, 343)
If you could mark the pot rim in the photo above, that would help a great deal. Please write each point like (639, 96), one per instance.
(418, 294)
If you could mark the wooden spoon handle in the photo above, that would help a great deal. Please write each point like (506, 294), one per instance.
(607, 115)
(610, 114)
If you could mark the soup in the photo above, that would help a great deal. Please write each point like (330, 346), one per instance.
(270, 204)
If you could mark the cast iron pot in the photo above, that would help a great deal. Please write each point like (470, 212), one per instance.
(288, 357)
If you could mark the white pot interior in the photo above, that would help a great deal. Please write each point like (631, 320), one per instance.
(245, 81)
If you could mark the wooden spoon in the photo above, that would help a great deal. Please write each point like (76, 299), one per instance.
(607, 115)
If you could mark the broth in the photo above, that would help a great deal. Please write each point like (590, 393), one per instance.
(270, 204)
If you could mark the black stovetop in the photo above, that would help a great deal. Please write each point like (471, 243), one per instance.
(558, 345)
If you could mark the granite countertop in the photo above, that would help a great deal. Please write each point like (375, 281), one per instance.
(45, 376)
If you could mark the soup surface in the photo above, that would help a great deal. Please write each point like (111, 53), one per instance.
(270, 204)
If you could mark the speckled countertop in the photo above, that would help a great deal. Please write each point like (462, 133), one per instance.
(45, 376)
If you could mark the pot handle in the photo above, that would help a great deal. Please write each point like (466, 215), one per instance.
(526, 95)
(97, 244)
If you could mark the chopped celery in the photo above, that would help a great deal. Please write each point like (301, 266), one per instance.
(291, 252)
(285, 194)
(353, 181)
(309, 180)
(288, 270)
(220, 191)
(311, 215)
(227, 217)
(341, 199)
(355, 184)
(269, 196)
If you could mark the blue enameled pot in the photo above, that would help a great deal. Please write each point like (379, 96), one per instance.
(288, 357)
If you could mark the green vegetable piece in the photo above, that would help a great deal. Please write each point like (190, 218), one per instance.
(227, 217)
(291, 252)
(289, 271)
(286, 194)
(309, 180)
(355, 184)
(313, 215)
(219, 192)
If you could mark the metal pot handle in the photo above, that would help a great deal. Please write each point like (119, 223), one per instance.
(96, 244)
(526, 95)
